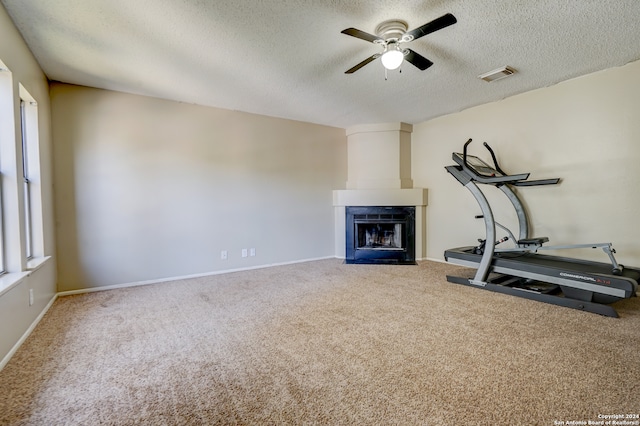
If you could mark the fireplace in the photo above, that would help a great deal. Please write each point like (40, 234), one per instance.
(380, 235)
(380, 217)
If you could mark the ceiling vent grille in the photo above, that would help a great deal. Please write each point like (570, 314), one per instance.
(497, 74)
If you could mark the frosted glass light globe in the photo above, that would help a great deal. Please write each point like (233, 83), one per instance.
(391, 59)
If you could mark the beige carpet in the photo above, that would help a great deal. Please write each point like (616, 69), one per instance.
(321, 343)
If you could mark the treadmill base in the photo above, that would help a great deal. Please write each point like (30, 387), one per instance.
(540, 296)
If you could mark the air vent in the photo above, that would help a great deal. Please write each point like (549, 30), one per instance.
(497, 74)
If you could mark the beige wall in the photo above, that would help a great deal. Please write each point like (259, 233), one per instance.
(586, 131)
(16, 316)
(149, 189)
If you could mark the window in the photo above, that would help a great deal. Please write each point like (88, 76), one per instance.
(31, 200)
(6, 124)
(28, 243)
(21, 218)
(2, 268)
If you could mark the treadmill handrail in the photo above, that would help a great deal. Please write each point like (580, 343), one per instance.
(492, 180)
(493, 157)
(537, 182)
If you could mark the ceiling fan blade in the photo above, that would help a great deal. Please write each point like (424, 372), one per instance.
(435, 25)
(362, 64)
(354, 32)
(418, 60)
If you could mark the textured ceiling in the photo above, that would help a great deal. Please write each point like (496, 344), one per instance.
(287, 58)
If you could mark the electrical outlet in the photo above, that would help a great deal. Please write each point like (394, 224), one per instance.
(252, 252)
(244, 252)
(223, 255)
(30, 296)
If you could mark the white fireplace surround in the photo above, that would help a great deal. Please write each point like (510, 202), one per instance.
(379, 174)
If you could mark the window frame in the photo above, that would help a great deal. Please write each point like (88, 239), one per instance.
(32, 232)
(26, 186)
(6, 137)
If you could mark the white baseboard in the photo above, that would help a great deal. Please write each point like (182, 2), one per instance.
(184, 277)
(26, 334)
(433, 259)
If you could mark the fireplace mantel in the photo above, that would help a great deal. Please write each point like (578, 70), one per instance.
(380, 197)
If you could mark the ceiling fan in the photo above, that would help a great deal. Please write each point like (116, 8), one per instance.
(391, 34)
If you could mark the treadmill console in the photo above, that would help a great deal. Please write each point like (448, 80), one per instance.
(473, 168)
(480, 167)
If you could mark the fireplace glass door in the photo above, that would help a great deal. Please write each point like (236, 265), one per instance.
(379, 236)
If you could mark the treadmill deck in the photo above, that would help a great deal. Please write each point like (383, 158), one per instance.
(585, 275)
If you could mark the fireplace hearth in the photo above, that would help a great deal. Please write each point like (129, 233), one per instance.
(380, 234)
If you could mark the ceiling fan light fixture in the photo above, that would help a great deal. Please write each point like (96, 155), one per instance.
(392, 58)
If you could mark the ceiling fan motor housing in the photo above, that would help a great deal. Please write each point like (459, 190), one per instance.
(392, 30)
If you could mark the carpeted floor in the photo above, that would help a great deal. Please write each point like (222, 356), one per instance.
(321, 343)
